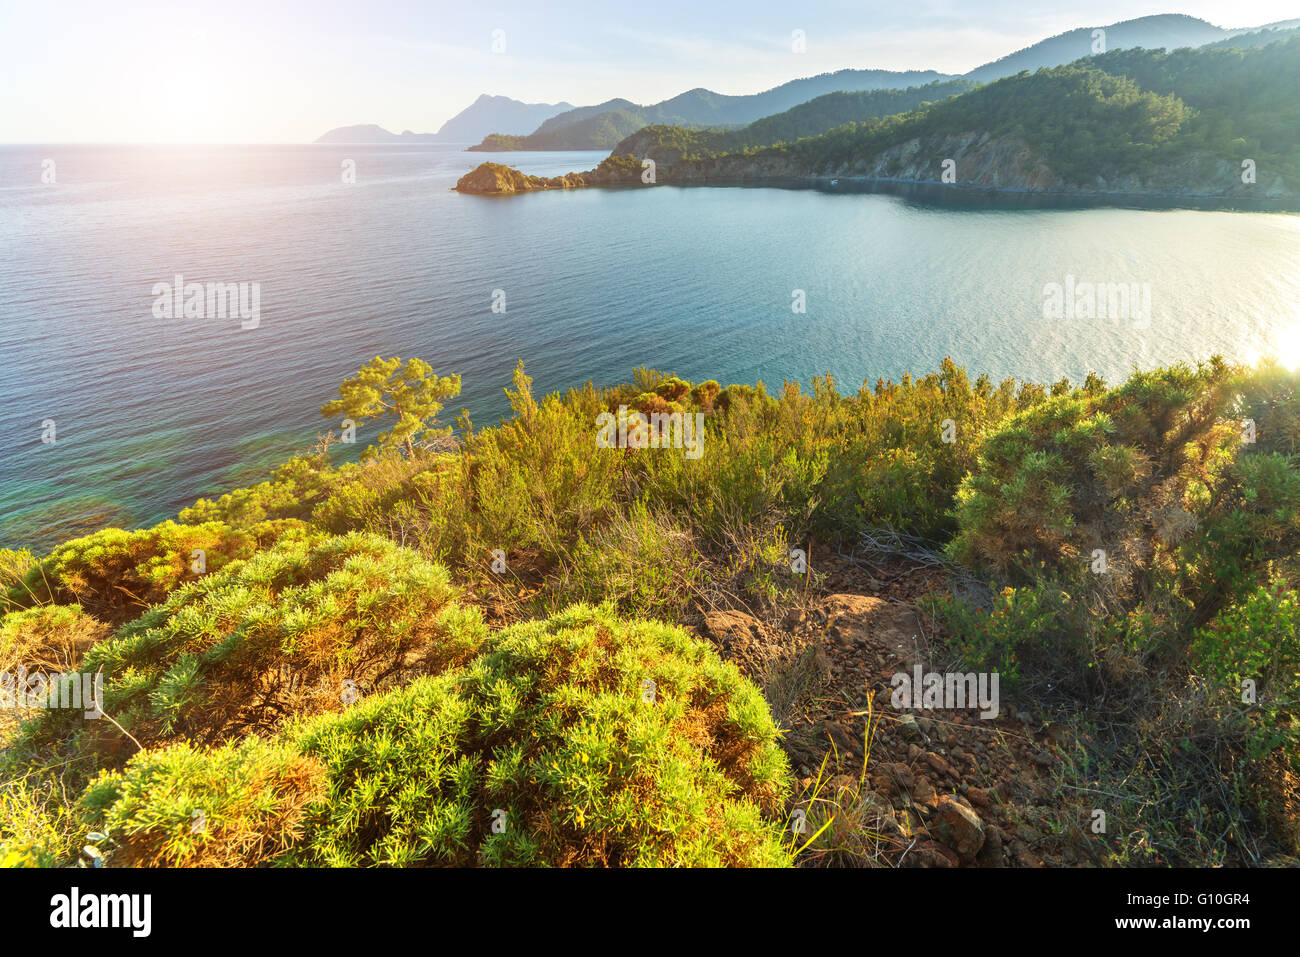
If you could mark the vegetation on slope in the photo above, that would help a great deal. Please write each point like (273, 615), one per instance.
(578, 740)
(605, 124)
(603, 737)
(806, 119)
(1125, 112)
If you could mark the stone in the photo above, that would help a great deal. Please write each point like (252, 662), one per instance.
(911, 728)
(924, 793)
(990, 854)
(939, 765)
(732, 631)
(959, 827)
(929, 854)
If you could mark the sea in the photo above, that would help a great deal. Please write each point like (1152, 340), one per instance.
(118, 409)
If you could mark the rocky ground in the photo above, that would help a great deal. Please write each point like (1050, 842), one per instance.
(908, 788)
(938, 789)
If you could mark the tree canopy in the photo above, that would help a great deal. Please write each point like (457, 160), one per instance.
(408, 396)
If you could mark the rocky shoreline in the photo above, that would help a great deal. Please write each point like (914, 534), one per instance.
(979, 163)
(497, 179)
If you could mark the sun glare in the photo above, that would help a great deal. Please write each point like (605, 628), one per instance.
(1287, 345)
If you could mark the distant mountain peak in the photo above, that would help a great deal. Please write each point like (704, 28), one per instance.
(489, 113)
(492, 113)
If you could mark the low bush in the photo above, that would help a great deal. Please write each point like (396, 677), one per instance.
(1258, 641)
(114, 575)
(50, 638)
(237, 805)
(297, 629)
(582, 739)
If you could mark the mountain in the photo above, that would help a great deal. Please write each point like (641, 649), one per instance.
(1130, 121)
(487, 114)
(830, 110)
(604, 125)
(817, 116)
(363, 133)
(497, 114)
(1170, 30)
(593, 132)
(500, 123)
(1260, 37)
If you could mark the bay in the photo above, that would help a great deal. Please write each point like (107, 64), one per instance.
(151, 413)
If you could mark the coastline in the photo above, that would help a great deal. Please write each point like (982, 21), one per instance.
(494, 179)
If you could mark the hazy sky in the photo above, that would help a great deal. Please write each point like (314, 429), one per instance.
(287, 70)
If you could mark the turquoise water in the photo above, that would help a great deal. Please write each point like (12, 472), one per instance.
(153, 413)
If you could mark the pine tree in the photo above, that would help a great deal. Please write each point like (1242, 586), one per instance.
(409, 397)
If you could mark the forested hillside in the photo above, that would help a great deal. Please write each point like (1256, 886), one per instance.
(1115, 115)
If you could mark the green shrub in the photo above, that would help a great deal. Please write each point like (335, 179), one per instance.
(237, 805)
(1125, 471)
(14, 565)
(539, 480)
(37, 826)
(114, 575)
(291, 492)
(551, 735)
(1257, 639)
(50, 638)
(294, 630)
(550, 726)
(1037, 623)
(645, 564)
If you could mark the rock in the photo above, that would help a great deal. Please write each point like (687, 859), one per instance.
(883, 783)
(733, 632)
(958, 827)
(878, 816)
(924, 793)
(930, 854)
(889, 782)
(794, 619)
(979, 797)
(911, 728)
(802, 754)
(1028, 858)
(911, 823)
(495, 178)
(939, 765)
(840, 783)
(990, 854)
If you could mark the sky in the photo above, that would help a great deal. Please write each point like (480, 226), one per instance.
(285, 71)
